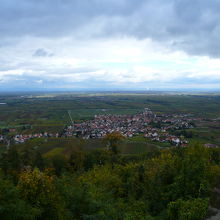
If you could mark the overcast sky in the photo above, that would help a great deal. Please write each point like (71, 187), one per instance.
(109, 44)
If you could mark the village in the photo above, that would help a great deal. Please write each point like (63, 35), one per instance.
(148, 124)
(145, 123)
(21, 138)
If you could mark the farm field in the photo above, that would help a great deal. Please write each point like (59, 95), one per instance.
(51, 113)
(37, 110)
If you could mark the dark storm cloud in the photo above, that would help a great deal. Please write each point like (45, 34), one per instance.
(57, 17)
(192, 26)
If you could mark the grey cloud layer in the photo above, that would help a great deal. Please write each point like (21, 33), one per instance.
(27, 82)
(41, 52)
(192, 26)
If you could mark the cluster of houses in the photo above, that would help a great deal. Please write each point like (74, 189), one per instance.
(21, 138)
(127, 125)
(164, 137)
(147, 123)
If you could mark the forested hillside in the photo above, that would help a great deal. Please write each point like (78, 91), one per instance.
(173, 183)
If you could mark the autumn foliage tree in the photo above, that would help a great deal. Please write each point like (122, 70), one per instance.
(112, 140)
(38, 190)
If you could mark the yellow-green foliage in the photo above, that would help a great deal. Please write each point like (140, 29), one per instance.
(193, 209)
(54, 152)
(104, 179)
(38, 189)
(35, 185)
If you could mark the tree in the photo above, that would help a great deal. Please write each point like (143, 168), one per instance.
(112, 140)
(196, 174)
(39, 161)
(78, 202)
(96, 158)
(12, 206)
(4, 163)
(194, 209)
(11, 162)
(76, 160)
(59, 163)
(38, 189)
(14, 159)
(27, 156)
